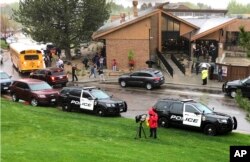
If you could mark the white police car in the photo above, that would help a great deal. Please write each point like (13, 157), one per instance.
(91, 99)
(192, 114)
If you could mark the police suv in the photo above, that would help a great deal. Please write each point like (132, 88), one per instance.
(92, 99)
(191, 114)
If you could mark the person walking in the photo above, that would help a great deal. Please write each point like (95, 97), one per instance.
(101, 60)
(85, 62)
(92, 70)
(74, 68)
(153, 122)
(114, 65)
(204, 75)
(101, 74)
(220, 74)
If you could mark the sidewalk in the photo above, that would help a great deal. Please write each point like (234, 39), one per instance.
(191, 81)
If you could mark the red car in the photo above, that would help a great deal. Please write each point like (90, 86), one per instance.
(53, 76)
(34, 91)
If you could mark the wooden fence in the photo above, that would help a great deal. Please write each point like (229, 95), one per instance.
(233, 72)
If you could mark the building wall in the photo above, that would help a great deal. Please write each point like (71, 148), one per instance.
(138, 30)
(184, 29)
(118, 49)
(239, 22)
(154, 41)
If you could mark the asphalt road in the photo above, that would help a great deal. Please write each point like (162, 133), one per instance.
(140, 100)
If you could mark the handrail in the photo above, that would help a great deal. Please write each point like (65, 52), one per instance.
(178, 64)
(165, 63)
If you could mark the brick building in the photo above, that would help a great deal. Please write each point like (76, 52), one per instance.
(158, 28)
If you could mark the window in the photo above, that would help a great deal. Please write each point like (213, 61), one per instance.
(145, 75)
(22, 85)
(42, 72)
(86, 95)
(64, 91)
(162, 105)
(190, 109)
(76, 93)
(31, 57)
(40, 86)
(135, 74)
(176, 108)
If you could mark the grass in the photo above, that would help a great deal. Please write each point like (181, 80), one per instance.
(48, 134)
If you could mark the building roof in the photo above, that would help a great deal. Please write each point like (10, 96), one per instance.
(208, 25)
(116, 24)
(204, 26)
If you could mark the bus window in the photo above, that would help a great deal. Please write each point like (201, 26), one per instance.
(31, 57)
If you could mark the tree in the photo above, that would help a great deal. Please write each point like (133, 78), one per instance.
(237, 8)
(66, 23)
(245, 40)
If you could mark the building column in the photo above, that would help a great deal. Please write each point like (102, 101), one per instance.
(220, 49)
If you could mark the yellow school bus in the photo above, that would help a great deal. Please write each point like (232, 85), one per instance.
(26, 57)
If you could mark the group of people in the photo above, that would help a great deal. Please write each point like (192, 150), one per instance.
(205, 51)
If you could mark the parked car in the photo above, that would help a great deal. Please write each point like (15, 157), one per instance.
(5, 81)
(91, 99)
(34, 91)
(191, 114)
(149, 78)
(231, 87)
(53, 76)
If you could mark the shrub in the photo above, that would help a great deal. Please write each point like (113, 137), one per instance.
(243, 103)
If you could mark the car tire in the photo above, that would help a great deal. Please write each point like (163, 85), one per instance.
(123, 83)
(100, 112)
(149, 86)
(34, 102)
(163, 122)
(14, 97)
(64, 85)
(66, 107)
(210, 130)
(233, 94)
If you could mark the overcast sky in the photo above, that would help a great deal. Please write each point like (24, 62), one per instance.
(216, 4)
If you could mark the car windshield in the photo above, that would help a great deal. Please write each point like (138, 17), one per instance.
(158, 73)
(244, 80)
(40, 86)
(203, 108)
(4, 76)
(99, 94)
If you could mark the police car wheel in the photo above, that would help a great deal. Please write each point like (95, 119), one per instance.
(14, 98)
(163, 122)
(34, 102)
(210, 130)
(233, 93)
(123, 83)
(100, 112)
(149, 86)
(66, 107)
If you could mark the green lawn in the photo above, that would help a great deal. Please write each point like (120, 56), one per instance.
(49, 134)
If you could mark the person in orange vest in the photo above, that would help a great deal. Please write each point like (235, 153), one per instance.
(153, 122)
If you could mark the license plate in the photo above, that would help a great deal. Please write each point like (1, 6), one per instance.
(61, 77)
(5, 87)
(53, 100)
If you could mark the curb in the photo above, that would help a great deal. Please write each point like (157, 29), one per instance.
(191, 87)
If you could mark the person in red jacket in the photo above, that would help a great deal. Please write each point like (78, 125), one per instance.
(153, 122)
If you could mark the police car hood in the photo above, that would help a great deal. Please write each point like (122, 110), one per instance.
(234, 83)
(218, 115)
(110, 100)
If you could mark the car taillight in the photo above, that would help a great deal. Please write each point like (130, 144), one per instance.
(157, 78)
(52, 78)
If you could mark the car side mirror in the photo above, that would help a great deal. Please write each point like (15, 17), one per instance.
(213, 108)
(111, 96)
(10, 76)
(67, 94)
